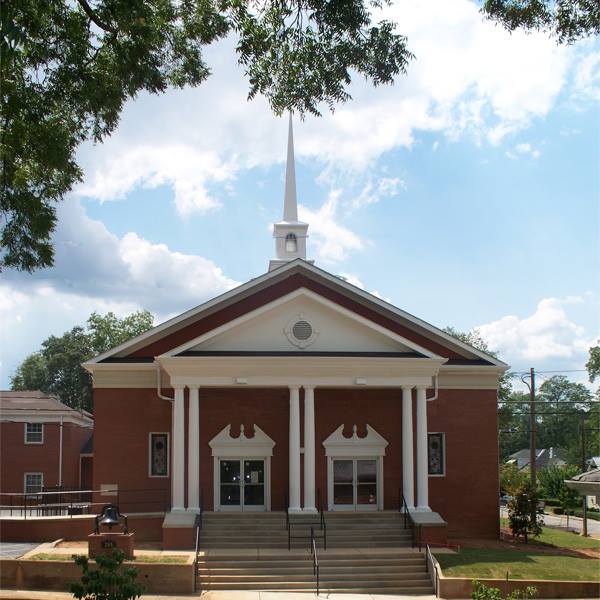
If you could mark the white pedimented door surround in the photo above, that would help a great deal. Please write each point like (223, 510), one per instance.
(355, 448)
(225, 446)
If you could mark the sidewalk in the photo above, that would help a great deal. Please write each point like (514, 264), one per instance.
(225, 595)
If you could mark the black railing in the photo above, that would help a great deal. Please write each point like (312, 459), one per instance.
(198, 526)
(320, 522)
(313, 550)
(432, 570)
(65, 502)
(408, 520)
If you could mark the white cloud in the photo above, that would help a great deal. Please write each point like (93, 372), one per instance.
(354, 280)
(333, 241)
(587, 77)
(183, 167)
(468, 76)
(523, 149)
(91, 262)
(375, 190)
(547, 334)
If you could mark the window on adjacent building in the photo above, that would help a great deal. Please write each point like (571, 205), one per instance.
(34, 433)
(34, 482)
(436, 453)
(159, 455)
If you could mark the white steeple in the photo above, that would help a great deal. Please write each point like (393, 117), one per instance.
(290, 203)
(290, 234)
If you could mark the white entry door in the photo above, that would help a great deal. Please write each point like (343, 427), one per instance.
(242, 484)
(355, 484)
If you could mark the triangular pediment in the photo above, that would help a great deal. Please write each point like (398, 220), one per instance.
(301, 321)
(386, 328)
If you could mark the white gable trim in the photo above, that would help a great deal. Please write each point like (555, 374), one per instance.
(144, 338)
(225, 445)
(300, 292)
(339, 446)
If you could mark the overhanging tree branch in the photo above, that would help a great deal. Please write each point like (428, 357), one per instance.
(94, 17)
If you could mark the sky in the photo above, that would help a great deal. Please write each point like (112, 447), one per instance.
(467, 193)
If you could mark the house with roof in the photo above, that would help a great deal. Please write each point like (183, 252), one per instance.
(545, 457)
(298, 391)
(41, 444)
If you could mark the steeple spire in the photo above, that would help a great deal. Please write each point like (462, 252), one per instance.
(290, 206)
(290, 234)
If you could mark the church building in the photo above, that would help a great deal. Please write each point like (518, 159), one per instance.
(299, 390)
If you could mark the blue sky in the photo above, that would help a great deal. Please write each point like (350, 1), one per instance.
(467, 194)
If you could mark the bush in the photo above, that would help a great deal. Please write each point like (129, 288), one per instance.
(108, 581)
(484, 592)
(523, 515)
(511, 478)
(552, 479)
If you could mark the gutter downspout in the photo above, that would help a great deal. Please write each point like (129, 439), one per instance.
(435, 386)
(60, 452)
(158, 386)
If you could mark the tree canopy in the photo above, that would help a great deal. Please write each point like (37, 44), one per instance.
(68, 67)
(566, 20)
(56, 367)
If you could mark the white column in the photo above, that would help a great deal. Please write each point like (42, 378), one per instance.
(408, 474)
(422, 462)
(309, 449)
(194, 452)
(178, 458)
(294, 499)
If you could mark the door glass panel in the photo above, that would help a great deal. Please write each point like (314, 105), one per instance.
(343, 493)
(230, 495)
(343, 471)
(254, 482)
(254, 471)
(366, 471)
(366, 493)
(230, 471)
(230, 482)
(254, 495)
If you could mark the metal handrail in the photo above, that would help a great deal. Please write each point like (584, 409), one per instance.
(413, 526)
(433, 570)
(198, 525)
(71, 502)
(313, 550)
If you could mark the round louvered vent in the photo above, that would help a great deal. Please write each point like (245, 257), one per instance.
(302, 330)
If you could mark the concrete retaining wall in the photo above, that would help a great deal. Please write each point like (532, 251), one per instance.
(455, 587)
(57, 575)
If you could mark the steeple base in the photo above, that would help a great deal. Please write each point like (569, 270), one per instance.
(275, 263)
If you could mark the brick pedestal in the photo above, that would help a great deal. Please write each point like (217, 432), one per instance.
(105, 543)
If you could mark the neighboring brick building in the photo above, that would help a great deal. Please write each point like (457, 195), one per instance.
(40, 443)
(298, 385)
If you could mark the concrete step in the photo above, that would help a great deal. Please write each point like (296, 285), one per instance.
(417, 586)
(307, 570)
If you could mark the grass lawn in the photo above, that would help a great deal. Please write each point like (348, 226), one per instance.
(493, 564)
(146, 558)
(560, 538)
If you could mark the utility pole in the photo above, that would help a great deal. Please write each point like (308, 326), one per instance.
(584, 529)
(532, 429)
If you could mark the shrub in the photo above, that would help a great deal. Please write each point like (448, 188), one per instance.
(109, 581)
(511, 478)
(484, 592)
(523, 516)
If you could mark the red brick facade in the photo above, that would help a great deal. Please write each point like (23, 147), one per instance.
(19, 458)
(466, 497)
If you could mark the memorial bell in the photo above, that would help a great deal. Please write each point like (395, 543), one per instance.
(111, 516)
